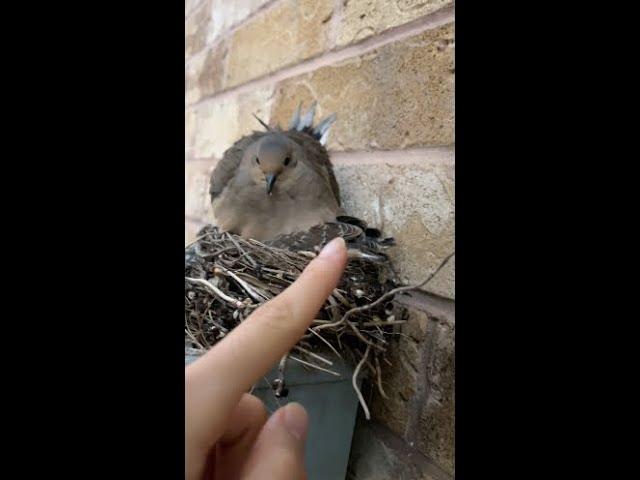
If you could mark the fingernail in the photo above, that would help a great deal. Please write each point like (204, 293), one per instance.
(332, 248)
(296, 420)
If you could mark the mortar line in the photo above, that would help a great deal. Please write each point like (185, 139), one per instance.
(434, 20)
(229, 31)
(430, 155)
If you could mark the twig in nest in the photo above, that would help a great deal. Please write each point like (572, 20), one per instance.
(274, 393)
(222, 329)
(252, 293)
(201, 281)
(253, 262)
(279, 387)
(361, 337)
(188, 332)
(354, 381)
(379, 378)
(314, 355)
(196, 240)
(390, 293)
(333, 349)
(313, 366)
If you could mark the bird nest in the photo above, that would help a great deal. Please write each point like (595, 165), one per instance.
(227, 277)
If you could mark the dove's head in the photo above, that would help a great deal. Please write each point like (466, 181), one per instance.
(274, 159)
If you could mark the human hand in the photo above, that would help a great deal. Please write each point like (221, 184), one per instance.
(227, 434)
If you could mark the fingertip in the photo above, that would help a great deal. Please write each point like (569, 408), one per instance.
(335, 250)
(296, 420)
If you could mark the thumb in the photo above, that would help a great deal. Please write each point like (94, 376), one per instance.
(279, 448)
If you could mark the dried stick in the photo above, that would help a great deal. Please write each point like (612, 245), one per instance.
(223, 330)
(379, 377)
(252, 293)
(314, 355)
(313, 366)
(362, 337)
(240, 249)
(196, 240)
(326, 342)
(270, 387)
(354, 381)
(279, 382)
(390, 293)
(201, 281)
(188, 332)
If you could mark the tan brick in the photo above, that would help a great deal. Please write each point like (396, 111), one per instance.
(196, 29)
(213, 126)
(364, 18)
(289, 32)
(400, 95)
(420, 386)
(444, 283)
(400, 382)
(196, 179)
(412, 202)
(436, 430)
(204, 73)
(226, 14)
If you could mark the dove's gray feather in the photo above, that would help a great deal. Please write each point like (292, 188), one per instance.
(307, 120)
(324, 125)
(295, 120)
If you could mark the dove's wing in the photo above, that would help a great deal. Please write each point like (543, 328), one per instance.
(227, 167)
(316, 237)
(317, 157)
(362, 242)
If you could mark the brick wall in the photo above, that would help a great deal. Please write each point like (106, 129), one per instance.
(386, 67)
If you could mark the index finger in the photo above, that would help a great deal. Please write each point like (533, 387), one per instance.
(215, 382)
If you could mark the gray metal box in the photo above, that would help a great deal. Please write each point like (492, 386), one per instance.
(332, 405)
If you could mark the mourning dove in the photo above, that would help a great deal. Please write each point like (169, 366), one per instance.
(279, 187)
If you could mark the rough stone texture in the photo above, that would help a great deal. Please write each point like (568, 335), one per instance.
(435, 433)
(225, 14)
(398, 96)
(444, 283)
(401, 380)
(196, 29)
(413, 203)
(196, 175)
(420, 386)
(364, 18)
(204, 73)
(213, 126)
(377, 455)
(289, 32)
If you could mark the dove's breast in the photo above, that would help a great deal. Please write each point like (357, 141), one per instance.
(251, 213)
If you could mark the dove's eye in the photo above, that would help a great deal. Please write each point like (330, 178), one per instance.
(257, 160)
(287, 161)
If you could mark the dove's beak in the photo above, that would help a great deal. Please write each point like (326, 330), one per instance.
(271, 179)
